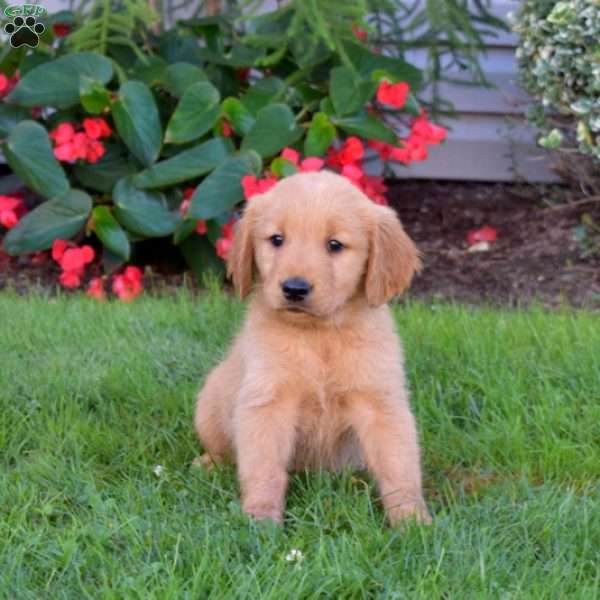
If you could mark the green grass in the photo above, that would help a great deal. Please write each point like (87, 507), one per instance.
(94, 396)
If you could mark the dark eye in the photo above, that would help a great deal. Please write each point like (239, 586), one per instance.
(276, 240)
(334, 246)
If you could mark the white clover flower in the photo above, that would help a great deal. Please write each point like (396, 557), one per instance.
(294, 555)
(158, 470)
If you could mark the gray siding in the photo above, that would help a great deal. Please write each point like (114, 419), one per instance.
(490, 140)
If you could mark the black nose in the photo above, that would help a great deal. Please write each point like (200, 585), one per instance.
(295, 289)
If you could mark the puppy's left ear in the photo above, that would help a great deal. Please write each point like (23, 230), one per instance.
(240, 258)
(393, 258)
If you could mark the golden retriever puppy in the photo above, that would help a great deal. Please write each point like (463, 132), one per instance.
(315, 378)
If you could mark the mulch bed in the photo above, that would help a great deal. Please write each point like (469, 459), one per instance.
(536, 257)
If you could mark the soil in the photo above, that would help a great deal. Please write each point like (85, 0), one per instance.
(537, 256)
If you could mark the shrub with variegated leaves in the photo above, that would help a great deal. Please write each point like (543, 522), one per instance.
(559, 60)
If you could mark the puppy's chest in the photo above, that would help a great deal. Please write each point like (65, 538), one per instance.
(327, 369)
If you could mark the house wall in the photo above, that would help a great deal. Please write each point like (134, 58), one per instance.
(490, 140)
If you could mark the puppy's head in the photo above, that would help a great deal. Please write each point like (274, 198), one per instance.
(314, 242)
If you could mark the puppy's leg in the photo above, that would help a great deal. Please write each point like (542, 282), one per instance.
(388, 438)
(264, 443)
(208, 419)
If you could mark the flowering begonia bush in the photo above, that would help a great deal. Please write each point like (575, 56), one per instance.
(559, 61)
(171, 142)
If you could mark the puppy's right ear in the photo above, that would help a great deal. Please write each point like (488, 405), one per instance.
(240, 258)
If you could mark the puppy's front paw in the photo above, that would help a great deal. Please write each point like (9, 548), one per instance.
(264, 511)
(205, 462)
(412, 509)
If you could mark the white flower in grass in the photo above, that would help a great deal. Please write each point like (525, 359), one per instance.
(158, 470)
(294, 555)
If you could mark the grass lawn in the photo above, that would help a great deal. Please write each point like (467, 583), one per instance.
(93, 397)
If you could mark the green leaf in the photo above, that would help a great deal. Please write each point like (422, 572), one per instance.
(137, 121)
(238, 57)
(238, 115)
(397, 69)
(320, 136)
(110, 232)
(143, 212)
(151, 72)
(59, 218)
(30, 61)
(184, 229)
(274, 129)
(412, 105)
(281, 167)
(111, 262)
(56, 83)
(10, 116)
(348, 92)
(196, 113)
(104, 174)
(222, 189)
(262, 93)
(94, 96)
(366, 126)
(186, 165)
(180, 76)
(29, 154)
(201, 257)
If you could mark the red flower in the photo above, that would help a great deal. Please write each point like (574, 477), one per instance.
(252, 186)
(311, 164)
(62, 134)
(184, 207)
(96, 128)
(352, 172)
(484, 234)
(74, 259)
(292, 155)
(95, 151)
(7, 84)
(61, 29)
(70, 279)
(384, 150)
(359, 33)
(12, 208)
(223, 246)
(8, 218)
(226, 129)
(427, 131)
(128, 285)
(224, 243)
(188, 193)
(96, 289)
(58, 249)
(242, 74)
(393, 94)
(307, 165)
(201, 228)
(350, 152)
(375, 188)
(4, 84)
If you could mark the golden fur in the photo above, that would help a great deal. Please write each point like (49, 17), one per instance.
(324, 385)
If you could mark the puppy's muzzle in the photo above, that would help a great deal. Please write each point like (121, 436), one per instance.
(296, 289)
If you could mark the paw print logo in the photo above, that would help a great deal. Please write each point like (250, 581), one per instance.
(24, 32)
